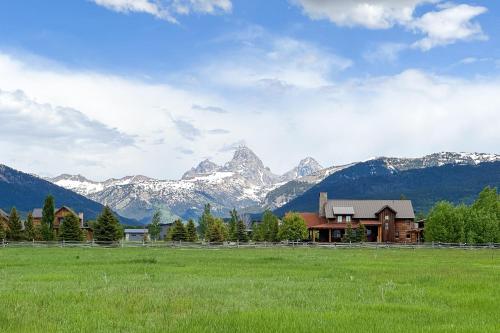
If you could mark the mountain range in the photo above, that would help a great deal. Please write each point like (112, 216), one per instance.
(244, 183)
(26, 192)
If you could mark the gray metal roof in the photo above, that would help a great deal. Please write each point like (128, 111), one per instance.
(136, 231)
(3, 213)
(37, 213)
(368, 209)
(343, 210)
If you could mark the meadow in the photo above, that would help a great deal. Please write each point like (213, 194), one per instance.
(249, 290)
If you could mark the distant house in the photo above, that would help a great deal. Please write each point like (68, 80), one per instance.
(59, 215)
(136, 235)
(164, 227)
(4, 219)
(384, 220)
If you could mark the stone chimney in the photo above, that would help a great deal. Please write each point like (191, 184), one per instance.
(80, 216)
(323, 198)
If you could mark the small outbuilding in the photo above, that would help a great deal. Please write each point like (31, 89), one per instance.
(136, 235)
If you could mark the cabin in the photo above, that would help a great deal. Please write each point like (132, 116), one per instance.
(59, 215)
(4, 219)
(136, 235)
(385, 220)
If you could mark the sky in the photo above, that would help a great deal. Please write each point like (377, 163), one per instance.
(109, 88)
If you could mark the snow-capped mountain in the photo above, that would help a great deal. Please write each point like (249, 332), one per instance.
(243, 183)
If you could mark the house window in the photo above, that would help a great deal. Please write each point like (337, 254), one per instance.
(396, 234)
(408, 235)
(348, 218)
(339, 219)
(387, 217)
(336, 233)
(386, 226)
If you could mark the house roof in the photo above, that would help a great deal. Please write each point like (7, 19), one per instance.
(38, 212)
(313, 219)
(368, 209)
(3, 213)
(136, 231)
(343, 210)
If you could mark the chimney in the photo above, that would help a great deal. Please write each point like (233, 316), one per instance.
(323, 198)
(80, 216)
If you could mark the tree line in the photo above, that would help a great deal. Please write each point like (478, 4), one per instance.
(215, 229)
(105, 228)
(478, 223)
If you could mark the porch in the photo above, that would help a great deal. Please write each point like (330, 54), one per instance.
(334, 232)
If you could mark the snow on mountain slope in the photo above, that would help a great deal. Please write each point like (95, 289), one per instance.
(241, 183)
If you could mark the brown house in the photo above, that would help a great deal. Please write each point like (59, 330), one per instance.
(4, 219)
(59, 215)
(384, 220)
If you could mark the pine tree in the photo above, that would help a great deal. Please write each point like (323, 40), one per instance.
(48, 218)
(178, 231)
(257, 232)
(14, 230)
(191, 234)
(242, 231)
(233, 226)
(29, 229)
(361, 233)
(155, 228)
(217, 231)
(270, 226)
(349, 235)
(70, 228)
(107, 227)
(206, 220)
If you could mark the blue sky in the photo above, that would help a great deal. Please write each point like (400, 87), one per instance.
(159, 85)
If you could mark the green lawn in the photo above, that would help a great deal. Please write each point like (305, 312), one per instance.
(249, 290)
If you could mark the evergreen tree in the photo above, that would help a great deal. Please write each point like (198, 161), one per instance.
(179, 232)
(29, 229)
(14, 230)
(233, 226)
(70, 228)
(206, 220)
(107, 227)
(349, 235)
(217, 231)
(155, 228)
(270, 226)
(241, 233)
(48, 218)
(293, 228)
(361, 233)
(191, 235)
(257, 232)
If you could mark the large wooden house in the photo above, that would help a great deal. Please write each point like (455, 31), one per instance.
(59, 215)
(384, 220)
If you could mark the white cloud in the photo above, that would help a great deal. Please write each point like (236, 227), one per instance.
(167, 9)
(385, 52)
(448, 24)
(298, 112)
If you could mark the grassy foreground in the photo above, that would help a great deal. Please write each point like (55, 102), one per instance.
(249, 290)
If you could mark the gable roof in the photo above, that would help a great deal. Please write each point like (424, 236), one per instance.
(38, 212)
(3, 213)
(136, 231)
(368, 209)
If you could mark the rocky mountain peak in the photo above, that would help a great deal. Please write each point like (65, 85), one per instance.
(205, 167)
(244, 158)
(306, 167)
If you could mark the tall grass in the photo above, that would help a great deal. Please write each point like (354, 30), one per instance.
(249, 290)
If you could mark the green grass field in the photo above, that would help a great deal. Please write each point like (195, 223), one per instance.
(249, 290)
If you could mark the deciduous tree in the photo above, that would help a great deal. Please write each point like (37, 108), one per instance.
(155, 227)
(293, 228)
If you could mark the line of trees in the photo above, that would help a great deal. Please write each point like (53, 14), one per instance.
(105, 228)
(478, 223)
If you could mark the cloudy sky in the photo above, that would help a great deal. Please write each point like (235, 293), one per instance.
(109, 88)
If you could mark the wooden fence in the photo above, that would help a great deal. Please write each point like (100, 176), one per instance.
(235, 245)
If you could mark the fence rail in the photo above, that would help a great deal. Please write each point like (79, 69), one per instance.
(208, 245)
